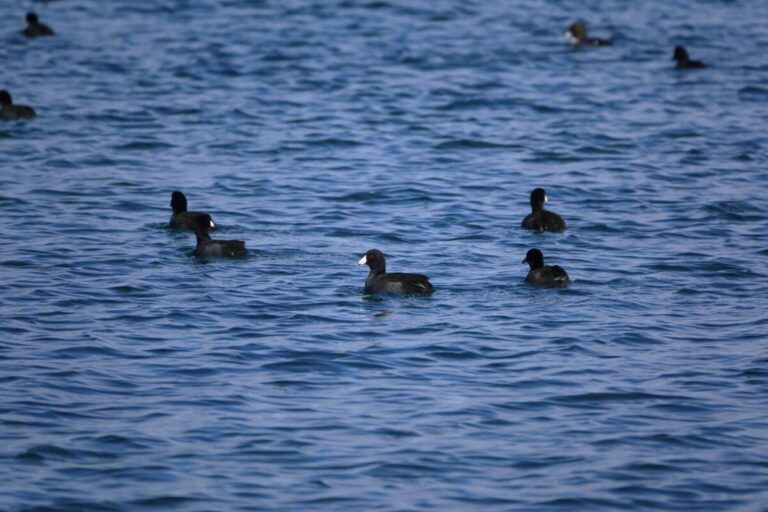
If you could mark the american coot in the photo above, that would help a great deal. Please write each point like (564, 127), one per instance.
(181, 218)
(539, 218)
(35, 28)
(378, 281)
(546, 275)
(207, 248)
(684, 61)
(9, 111)
(578, 34)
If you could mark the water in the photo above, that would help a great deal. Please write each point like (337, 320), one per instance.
(136, 377)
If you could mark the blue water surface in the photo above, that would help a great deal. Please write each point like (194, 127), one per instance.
(134, 376)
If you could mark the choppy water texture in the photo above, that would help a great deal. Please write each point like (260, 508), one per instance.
(135, 377)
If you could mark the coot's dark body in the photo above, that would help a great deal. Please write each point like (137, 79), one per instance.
(35, 28)
(208, 248)
(379, 281)
(684, 60)
(9, 111)
(181, 218)
(544, 275)
(540, 219)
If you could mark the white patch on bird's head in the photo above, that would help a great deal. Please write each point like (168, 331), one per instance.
(546, 199)
(363, 261)
(213, 226)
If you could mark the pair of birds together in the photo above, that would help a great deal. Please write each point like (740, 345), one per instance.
(578, 34)
(378, 280)
(9, 111)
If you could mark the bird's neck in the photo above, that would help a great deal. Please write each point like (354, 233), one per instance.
(202, 236)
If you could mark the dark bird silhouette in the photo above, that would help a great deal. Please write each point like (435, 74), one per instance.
(539, 218)
(378, 281)
(9, 111)
(544, 275)
(208, 248)
(35, 28)
(684, 61)
(181, 218)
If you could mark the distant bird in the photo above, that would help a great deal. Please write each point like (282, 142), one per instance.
(684, 61)
(539, 218)
(578, 34)
(181, 218)
(35, 28)
(9, 111)
(207, 248)
(545, 275)
(378, 281)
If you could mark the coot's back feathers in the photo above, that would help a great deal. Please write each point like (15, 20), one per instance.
(379, 281)
(399, 282)
(208, 248)
(548, 274)
(540, 219)
(181, 218)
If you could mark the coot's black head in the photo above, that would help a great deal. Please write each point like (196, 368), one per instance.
(681, 54)
(374, 258)
(534, 258)
(5, 98)
(31, 18)
(538, 198)
(178, 202)
(203, 222)
(577, 31)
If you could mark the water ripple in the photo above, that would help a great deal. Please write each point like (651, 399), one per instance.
(135, 376)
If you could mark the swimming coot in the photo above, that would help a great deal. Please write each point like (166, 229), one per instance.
(9, 111)
(378, 281)
(181, 218)
(207, 248)
(684, 61)
(35, 28)
(578, 34)
(545, 275)
(539, 218)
